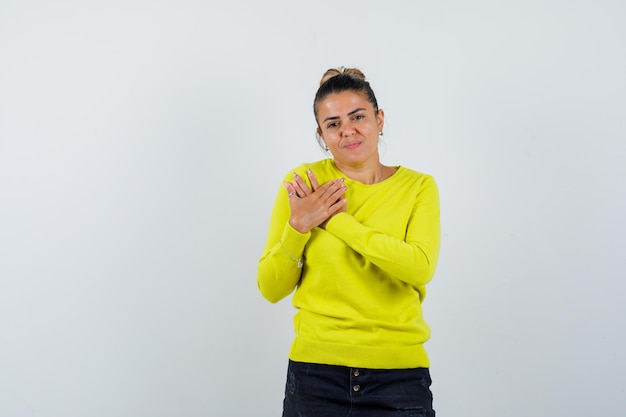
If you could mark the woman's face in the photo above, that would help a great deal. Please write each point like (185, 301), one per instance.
(349, 127)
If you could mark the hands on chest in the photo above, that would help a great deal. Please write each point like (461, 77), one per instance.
(314, 206)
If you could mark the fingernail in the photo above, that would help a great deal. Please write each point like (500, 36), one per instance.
(295, 175)
(341, 179)
(309, 171)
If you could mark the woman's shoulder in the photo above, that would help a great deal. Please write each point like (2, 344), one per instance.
(322, 165)
(323, 168)
(413, 175)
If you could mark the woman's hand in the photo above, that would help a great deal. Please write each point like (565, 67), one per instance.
(314, 207)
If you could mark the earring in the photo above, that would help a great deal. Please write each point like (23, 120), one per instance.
(320, 142)
(380, 133)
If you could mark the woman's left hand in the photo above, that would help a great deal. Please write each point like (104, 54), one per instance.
(299, 188)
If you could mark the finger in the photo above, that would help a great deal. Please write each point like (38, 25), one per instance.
(328, 187)
(300, 192)
(290, 190)
(339, 206)
(300, 186)
(314, 184)
(336, 191)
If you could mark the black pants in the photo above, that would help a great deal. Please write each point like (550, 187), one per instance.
(314, 390)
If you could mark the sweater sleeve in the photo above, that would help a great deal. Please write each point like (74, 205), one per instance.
(278, 272)
(412, 259)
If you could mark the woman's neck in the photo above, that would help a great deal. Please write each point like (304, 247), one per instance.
(366, 174)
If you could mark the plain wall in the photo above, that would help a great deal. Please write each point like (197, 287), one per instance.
(142, 144)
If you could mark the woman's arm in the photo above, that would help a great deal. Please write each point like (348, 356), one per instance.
(412, 260)
(297, 210)
(278, 271)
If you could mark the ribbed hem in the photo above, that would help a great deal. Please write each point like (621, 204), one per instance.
(373, 357)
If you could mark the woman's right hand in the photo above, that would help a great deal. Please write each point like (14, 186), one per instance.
(314, 207)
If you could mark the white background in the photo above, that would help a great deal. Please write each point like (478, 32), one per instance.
(142, 143)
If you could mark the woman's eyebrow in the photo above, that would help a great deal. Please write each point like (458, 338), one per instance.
(349, 114)
(355, 111)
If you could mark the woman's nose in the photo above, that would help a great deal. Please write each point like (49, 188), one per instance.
(347, 131)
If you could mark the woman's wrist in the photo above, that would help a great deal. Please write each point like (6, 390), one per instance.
(298, 227)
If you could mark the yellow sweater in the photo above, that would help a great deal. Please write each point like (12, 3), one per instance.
(360, 290)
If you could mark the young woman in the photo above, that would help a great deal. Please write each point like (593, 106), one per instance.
(358, 241)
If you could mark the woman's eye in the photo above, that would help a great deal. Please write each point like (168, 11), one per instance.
(358, 117)
(332, 125)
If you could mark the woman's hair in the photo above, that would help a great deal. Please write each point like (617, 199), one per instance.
(338, 80)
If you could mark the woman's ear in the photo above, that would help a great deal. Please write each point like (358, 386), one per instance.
(320, 140)
(380, 118)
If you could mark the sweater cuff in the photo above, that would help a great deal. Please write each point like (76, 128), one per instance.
(294, 241)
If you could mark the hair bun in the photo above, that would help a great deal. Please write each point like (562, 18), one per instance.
(333, 72)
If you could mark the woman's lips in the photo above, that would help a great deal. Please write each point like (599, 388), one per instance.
(352, 145)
